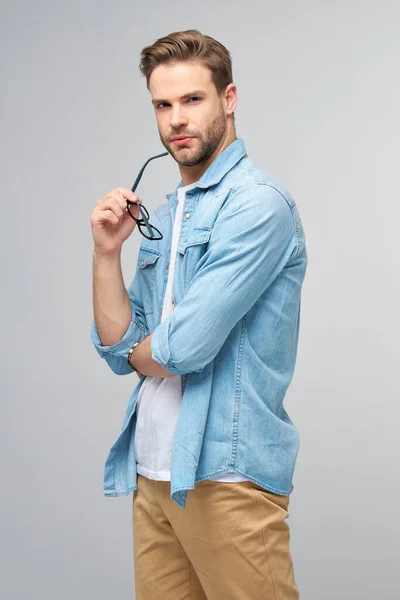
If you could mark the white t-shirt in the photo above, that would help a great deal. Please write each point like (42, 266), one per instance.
(160, 397)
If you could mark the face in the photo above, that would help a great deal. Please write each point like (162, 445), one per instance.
(186, 103)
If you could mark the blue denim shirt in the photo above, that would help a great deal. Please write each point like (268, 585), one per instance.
(233, 334)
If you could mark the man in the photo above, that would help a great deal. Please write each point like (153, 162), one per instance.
(210, 323)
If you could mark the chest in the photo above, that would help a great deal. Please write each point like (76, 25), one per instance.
(182, 248)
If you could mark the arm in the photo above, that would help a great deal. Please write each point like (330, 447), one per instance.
(119, 319)
(111, 306)
(253, 238)
(143, 361)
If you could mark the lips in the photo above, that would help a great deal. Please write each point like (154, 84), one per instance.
(182, 141)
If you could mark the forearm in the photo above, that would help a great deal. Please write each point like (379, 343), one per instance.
(111, 305)
(143, 361)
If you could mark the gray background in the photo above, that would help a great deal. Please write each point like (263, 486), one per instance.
(319, 97)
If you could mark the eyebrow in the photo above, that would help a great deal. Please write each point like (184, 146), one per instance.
(184, 97)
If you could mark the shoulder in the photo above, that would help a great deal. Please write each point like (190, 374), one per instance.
(248, 179)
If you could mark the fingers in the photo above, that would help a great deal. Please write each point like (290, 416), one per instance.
(128, 194)
(113, 204)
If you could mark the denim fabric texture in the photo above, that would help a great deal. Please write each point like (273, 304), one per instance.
(233, 335)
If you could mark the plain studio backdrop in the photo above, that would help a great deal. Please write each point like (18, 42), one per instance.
(319, 96)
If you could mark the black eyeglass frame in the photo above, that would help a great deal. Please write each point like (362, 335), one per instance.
(144, 221)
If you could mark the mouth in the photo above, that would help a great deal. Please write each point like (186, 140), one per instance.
(181, 140)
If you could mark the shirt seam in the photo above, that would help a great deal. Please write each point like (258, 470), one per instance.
(294, 219)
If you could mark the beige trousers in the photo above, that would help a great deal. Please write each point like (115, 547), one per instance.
(230, 542)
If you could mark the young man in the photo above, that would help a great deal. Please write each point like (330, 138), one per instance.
(210, 323)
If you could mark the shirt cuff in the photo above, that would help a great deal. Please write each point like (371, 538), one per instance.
(133, 334)
(159, 345)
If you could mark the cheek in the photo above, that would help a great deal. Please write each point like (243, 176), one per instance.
(161, 122)
(164, 131)
(204, 119)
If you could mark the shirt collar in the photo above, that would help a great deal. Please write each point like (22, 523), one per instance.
(224, 162)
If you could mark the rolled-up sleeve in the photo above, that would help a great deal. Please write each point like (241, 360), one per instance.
(253, 238)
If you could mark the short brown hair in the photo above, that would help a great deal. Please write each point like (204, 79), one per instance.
(189, 45)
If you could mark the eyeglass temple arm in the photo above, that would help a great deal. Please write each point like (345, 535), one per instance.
(138, 178)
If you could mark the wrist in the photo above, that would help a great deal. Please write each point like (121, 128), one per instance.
(130, 354)
(108, 256)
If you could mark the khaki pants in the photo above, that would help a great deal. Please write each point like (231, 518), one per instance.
(230, 542)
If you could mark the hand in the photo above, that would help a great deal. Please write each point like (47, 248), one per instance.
(111, 222)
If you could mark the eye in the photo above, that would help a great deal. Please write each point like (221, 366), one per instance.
(161, 105)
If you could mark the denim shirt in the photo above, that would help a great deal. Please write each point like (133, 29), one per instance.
(233, 335)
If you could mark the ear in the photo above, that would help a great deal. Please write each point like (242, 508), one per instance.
(230, 99)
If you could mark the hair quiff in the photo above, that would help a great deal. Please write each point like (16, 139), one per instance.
(189, 45)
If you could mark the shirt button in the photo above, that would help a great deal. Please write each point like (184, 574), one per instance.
(187, 216)
(173, 305)
(167, 266)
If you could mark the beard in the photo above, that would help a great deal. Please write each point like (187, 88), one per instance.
(209, 142)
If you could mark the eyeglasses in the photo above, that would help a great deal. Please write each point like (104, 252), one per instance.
(144, 221)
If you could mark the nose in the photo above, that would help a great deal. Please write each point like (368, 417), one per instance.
(178, 119)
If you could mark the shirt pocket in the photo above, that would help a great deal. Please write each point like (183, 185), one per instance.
(191, 250)
(147, 263)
